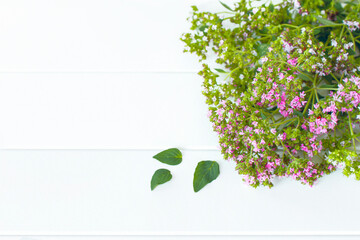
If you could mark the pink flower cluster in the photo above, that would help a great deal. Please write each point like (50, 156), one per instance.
(353, 25)
(290, 93)
(302, 174)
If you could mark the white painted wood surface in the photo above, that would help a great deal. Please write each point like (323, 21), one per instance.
(108, 192)
(94, 35)
(111, 74)
(103, 111)
(167, 237)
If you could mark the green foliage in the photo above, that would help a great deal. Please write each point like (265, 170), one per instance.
(160, 176)
(205, 172)
(284, 89)
(226, 6)
(171, 156)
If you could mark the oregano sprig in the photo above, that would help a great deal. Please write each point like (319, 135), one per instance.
(285, 92)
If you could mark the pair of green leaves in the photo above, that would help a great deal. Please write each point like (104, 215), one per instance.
(205, 172)
(171, 156)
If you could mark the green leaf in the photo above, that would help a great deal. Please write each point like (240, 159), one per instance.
(262, 49)
(304, 77)
(263, 31)
(205, 172)
(280, 128)
(202, 28)
(271, 7)
(351, 51)
(290, 122)
(338, 6)
(171, 156)
(160, 176)
(226, 6)
(350, 3)
(329, 79)
(220, 70)
(297, 113)
(325, 21)
(262, 115)
(316, 31)
(305, 88)
(327, 86)
(194, 8)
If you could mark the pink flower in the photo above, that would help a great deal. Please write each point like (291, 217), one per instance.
(277, 161)
(295, 103)
(290, 78)
(223, 102)
(281, 76)
(292, 62)
(220, 111)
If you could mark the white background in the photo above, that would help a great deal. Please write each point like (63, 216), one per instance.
(89, 92)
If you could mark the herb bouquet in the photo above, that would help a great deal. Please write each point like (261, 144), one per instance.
(285, 96)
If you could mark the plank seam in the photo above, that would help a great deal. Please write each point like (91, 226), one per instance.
(101, 72)
(277, 233)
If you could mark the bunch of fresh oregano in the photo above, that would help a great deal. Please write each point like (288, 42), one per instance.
(284, 89)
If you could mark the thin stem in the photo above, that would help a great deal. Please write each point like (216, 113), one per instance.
(342, 32)
(334, 25)
(269, 115)
(313, 101)
(317, 97)
(298, 125)
(288, 25)
(315, 80)
(334, 77)
(226, 12)
(259, 39)
(329, 89)
(288, 120)
(315, 89)
(352, 37)
(351, 130)
(232, 72)
(308, 102)
(280, 119)
(287, 150)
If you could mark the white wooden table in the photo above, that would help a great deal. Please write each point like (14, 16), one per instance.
(90, 90)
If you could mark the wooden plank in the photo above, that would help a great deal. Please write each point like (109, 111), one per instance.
(108, 192)
(106, 111)
(92, 35)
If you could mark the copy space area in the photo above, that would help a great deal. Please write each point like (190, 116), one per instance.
(108, 192)
(103, 111)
